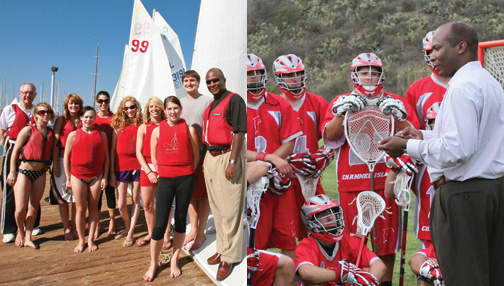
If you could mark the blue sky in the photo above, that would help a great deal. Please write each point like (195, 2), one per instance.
(39, 34)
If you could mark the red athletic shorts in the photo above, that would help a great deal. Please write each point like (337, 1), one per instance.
(144, 180)
(387, 230)
(277, 224)
(267, 268)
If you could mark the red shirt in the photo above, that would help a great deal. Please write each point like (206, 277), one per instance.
(126, 159)
(146, 151)
(174, 150)
(88, 154)
(423, 93)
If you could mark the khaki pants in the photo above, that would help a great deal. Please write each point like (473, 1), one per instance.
(227, 201)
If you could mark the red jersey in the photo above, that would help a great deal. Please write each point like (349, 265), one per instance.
(126, 159)
(216, 129)
(39, 147)
(103, 124)
(311, 113)
(20, 121)
(352, 174)
(174, 150)
(270, 123)
(428, 252)
(424, 192)
(87, 160)
(309, 251)
(146, 152)
(66, 127)
(423, 93)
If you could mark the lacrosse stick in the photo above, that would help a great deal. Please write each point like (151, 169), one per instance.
(363, 130)
(402, 186)
(369, 207)
(254, 194)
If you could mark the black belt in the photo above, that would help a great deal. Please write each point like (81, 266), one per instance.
(217, 153)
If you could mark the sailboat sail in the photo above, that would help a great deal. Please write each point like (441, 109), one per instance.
(221, 41)
(146, 65)
(173, 51)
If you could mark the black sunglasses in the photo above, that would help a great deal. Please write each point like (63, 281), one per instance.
(103, 100)
(214, 80)
(130, 107)
(44, 112)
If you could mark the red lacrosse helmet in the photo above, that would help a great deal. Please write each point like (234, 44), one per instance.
(364, 63)
(257, 78)
(427, 48)
(430, 117)
(290, 75)
(323, 218)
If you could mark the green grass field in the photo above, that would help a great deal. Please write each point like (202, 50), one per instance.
(412, 245)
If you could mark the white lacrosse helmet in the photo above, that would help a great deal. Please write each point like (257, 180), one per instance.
(362, 63)
(257, 78)
(427, 48)
(430, 117)
(290, 67)
(323, 218)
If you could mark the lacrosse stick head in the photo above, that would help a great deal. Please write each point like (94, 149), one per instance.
(254, 194)
(402, 186)
(308, 185)
(323, 218)
(364, 129)
(369, 207)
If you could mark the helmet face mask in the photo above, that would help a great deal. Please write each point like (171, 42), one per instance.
(368, 74)
(257, 78)
(323, 218)
(290, 75)
(427, 49)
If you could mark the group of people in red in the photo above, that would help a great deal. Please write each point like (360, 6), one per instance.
(160, 152)
(316, 237)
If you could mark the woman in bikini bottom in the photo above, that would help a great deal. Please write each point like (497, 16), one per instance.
(33, 175)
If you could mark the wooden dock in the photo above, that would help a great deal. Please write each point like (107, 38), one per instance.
(112, 264)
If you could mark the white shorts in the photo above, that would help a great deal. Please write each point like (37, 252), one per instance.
(58, 187)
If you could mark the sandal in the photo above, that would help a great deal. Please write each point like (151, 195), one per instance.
(128, 242)
(120, 234)
(143, 242)
(167, 245)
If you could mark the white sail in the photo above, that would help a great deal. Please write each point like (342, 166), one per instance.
(221, 41)
(173, 51)
(146, 70)
(120, 89)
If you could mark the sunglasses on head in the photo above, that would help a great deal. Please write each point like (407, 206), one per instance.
(130, 107)
(103, 101)
(44, 112)
(214, 80)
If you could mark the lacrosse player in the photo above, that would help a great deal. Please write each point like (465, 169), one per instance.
(424, 264)
(307, 159)
(353, 176)
(271, 138)
(465, 156)
(328, 255)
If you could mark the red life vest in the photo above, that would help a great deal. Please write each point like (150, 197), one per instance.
(67, 127)
(126, 159)
(146, 141)
(174, 150)
(87, 160)
(39, 147)
(20, 121)
(216, 130)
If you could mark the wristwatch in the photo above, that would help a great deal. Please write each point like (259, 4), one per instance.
(232, 162)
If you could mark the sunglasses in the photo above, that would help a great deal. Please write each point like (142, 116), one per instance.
(44, 112)
(130, 107)
(100, 101)
(214, 80)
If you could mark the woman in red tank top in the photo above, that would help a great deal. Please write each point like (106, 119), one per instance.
(175, 155)
(153, 114)
(103, 120)
(124, 165)
(86, 172)
(29, 187)
(65, 124)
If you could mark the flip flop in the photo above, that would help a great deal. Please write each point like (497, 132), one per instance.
(167, 245)
(128, 242)
(120, 234)
(143, 242)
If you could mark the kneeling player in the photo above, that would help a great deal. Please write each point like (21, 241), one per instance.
(328, 255)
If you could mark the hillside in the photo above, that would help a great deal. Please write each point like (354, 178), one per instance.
(328, 34)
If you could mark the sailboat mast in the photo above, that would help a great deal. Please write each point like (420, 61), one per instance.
(96, 74)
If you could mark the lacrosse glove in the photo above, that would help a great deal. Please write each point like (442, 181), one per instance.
(280, 182)
(321, 159)
(302, 163)
(252, 260)
(352, 275)
(402, 162)
(430, 272)
(388, 105)
(353, 102)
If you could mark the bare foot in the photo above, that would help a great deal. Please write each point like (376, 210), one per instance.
(128, 242)
(97, 232)
(121, 234)
(190, 237)
(149, 275)
(20, 240)
(198, 242)
(75, 235)
(111, 230)
(80, 247)
(143, 241)
(30, 243)
(174, 271)
(92, 246)
(68, 236)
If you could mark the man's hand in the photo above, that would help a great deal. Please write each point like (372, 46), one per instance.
(388, 105)
(394, 146)
(410, 133)
(353, 102)
(230, 171)
(402, 162)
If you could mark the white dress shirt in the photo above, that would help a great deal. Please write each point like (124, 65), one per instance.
(467, 140)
